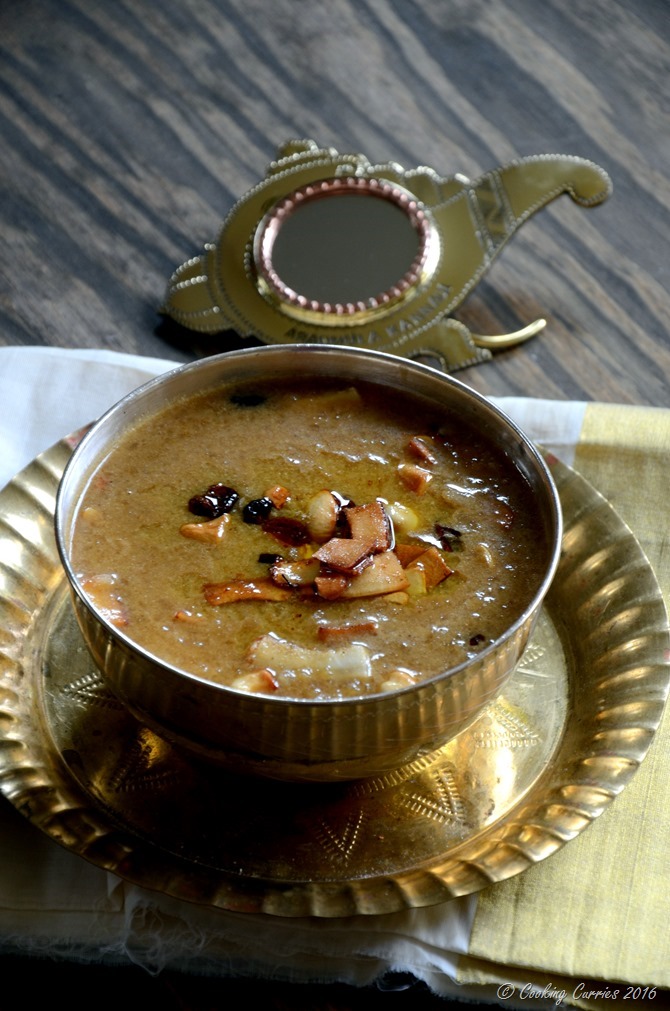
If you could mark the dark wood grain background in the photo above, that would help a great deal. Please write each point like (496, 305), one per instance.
(129, 128)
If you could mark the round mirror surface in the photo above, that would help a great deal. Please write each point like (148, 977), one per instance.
(342, 244)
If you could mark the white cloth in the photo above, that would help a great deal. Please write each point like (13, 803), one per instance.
(52, 902)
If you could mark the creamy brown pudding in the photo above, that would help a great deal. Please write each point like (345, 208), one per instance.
(309, 540)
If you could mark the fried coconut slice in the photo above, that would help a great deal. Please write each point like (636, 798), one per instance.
(244, 589)
(408, 552)
(343, 554)
(331, 585)
(433, 565)
(370, 524)
(383, 575)
(371, 533)
(275, 654)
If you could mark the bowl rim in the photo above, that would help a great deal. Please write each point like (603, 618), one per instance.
(300, 351)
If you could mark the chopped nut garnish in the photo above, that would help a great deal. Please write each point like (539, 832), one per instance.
(301, 572)
(403, 518)
(187, 617)
(397, 679)
(419, 447)
(323, 510)
(328, 633)
(244, 589)
(482, 553)
(278, 495)
(209, 532)
(91, 515)
(103, 592)
(258, 681)
(414, 478)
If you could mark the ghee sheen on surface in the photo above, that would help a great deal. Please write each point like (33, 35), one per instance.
(308, 540)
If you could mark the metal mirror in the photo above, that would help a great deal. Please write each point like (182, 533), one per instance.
(329, 248)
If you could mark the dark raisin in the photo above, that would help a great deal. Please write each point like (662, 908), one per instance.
(286, 530)
(478, 639)
(257, 510)
(247, 399)
(450, 539)
(214, 502)
(267, 558)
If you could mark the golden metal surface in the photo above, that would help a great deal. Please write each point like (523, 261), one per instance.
(538, 766)
(509, 340)
(461, 225)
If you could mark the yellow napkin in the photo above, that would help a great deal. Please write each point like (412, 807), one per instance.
(596, 915)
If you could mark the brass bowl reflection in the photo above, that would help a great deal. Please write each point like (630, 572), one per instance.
(303, 739)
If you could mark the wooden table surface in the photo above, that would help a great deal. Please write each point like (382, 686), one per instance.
(129, 129)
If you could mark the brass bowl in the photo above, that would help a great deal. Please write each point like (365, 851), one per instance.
(287, 738)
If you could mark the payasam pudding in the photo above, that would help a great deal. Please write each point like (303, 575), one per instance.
(307, 562)
(310, 539)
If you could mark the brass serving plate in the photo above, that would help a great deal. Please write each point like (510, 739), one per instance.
(540, 764)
